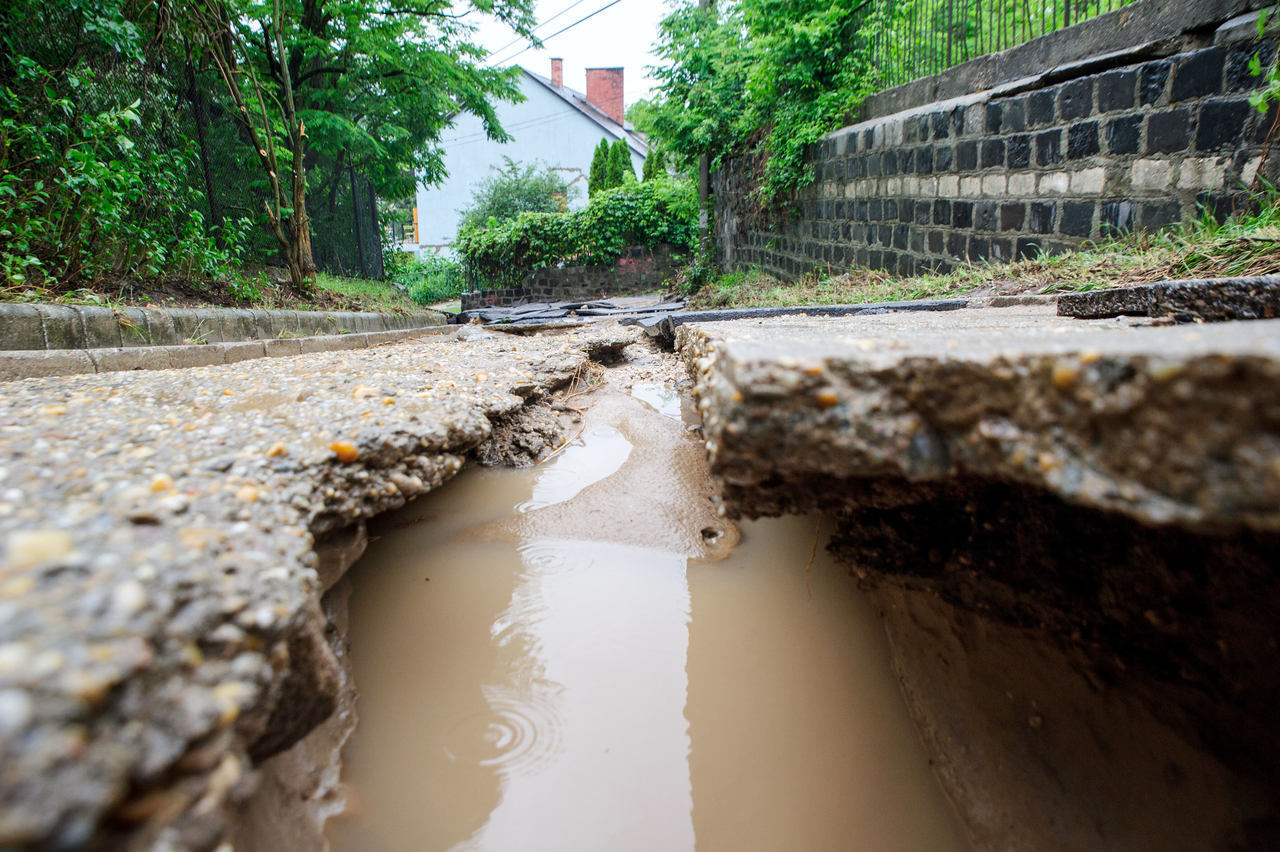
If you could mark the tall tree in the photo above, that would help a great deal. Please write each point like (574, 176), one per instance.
(655, 164)
(620, 170)
(364, 85)
(598, 176)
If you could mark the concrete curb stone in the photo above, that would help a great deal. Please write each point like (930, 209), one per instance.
(37, 327)
(101, 327)
(24, 364)
(20, 327)
(63, 327)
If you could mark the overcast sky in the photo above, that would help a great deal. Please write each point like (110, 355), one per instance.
(621, 35)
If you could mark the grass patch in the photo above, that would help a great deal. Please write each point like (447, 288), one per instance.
(1249, 245)
(363, 294)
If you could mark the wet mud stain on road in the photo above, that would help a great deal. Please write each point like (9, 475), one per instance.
(582, 656)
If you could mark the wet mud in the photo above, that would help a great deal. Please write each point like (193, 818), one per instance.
(585, 655)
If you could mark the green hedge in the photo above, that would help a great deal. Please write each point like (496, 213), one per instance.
(637, 214)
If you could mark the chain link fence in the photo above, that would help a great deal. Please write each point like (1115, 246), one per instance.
(911, 39)
(346, 238)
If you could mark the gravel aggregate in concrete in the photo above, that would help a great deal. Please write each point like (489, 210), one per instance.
(159, 625)
(1193, 299)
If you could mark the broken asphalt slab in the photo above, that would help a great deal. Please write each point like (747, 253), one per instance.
(1070, 529)
(663, 326)
(160, 633)
(1193, 299)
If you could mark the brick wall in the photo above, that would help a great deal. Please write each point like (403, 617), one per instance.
(639, 270)
(1044, 164)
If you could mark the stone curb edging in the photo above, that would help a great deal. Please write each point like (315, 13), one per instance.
(35, 326)
(28, 364)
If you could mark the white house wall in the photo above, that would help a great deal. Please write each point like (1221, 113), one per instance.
(545, 128)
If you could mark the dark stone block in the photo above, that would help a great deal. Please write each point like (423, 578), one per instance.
(922, 125)
(889, 163)
(924, 212)
(1014, 114)
(1077, 218)
(1075, 99)
(1168, 131)
(936, 240)
(962, 214)
(957, 121)
(1001, 249)
(910, 131)
(979, 248)
(1028, 249)
(1217, 206)
(916, 242)
(1198, 74)
(944, 158)
(873, 165)
(900, 237)
(1122, 134)
(1116, 90)
(907, 161)
(939, 125)
(868, 136)
(906, 210)
(1019, 147)
(942, 212)
(1049, 147)
(1082, 140)
(924, 160)
(992, 153)
(1262, 124)
(1012, 216)
(956, 243)
(1040, 107)
(1221, 124)
(875, 260)
(995, 118)
(1158, 214)
(1151, 82)
(876, 210)
(1238, 76)
(984, 216)
(860, 211)
(1042, 217)
(967, 156)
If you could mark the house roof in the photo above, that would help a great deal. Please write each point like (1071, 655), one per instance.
(635, 139)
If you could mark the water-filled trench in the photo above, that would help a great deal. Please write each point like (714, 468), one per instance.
(583, 656)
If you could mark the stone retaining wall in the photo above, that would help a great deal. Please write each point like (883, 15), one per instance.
(639, 270)
(1138, 138)
(67, 327)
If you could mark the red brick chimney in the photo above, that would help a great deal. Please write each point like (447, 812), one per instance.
(604, 91)
(557, 71)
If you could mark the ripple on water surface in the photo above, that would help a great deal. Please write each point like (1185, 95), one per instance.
(539, 674)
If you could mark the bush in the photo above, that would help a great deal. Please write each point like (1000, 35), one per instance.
(427, 281)
(514, 189)
(97, 180)
(637, 214)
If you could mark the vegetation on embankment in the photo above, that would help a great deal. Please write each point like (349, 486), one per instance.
(1203, 249)
(155, 149)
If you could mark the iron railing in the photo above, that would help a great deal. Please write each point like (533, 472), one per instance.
(911, 39)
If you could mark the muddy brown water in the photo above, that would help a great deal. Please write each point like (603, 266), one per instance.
(583, 656)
